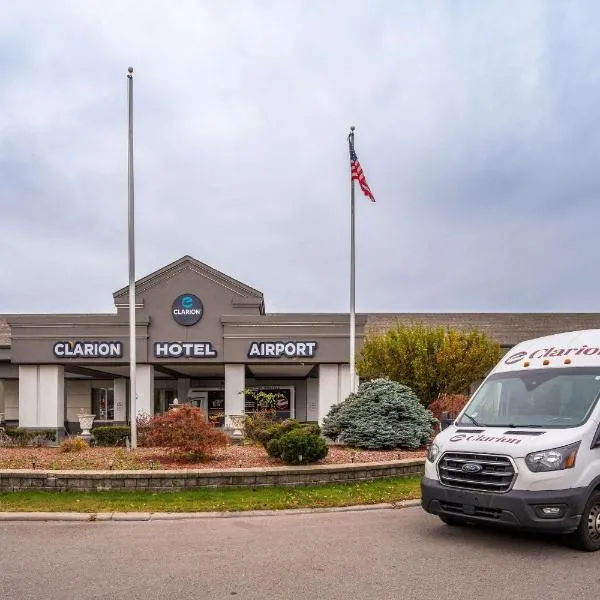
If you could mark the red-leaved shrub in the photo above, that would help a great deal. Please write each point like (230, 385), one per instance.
(185, 430)
(450, 403)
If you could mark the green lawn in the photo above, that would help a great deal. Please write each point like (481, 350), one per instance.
(342, 494)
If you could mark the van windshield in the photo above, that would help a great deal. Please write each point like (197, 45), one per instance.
(557, 398)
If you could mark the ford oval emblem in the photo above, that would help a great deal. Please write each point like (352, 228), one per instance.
(472, 467)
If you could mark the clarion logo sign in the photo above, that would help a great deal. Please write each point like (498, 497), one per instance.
(187, 309)
(551, 352)
(88, 349)
(466, 437)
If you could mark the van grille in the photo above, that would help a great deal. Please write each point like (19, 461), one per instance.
(495, 474)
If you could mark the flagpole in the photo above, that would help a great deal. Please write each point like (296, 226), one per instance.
(132, 340)
(352, 283)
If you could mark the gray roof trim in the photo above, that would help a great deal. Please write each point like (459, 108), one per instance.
(292, 319)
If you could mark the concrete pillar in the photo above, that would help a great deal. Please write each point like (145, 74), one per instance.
(41, 396)
(144, 390)
(344, 390)
(235, 382)
(183, 388)
(312, 399)
(120, 396)
(329, 389)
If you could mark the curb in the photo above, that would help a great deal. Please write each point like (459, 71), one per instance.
(167, 516)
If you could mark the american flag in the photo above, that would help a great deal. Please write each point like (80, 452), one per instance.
(358, 174)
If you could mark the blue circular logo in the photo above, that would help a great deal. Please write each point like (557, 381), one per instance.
(471, 467)
(187, 309)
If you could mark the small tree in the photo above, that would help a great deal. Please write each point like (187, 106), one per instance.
(185, 430)
(383, 414)
(432, 361)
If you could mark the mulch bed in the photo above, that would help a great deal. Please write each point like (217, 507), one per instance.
(144, 458)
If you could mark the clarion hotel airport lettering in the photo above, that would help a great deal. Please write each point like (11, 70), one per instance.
(88, 349)
(551, 352)
(184, 350)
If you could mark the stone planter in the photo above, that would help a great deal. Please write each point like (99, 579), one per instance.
(237, 424)
(85, 422)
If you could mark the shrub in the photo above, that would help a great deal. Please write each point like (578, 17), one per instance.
(143, 424)
(273, 448)
(73, 444)
(301, 447)
(256, 423)
(111, 435)
(185, 430)
(270, 436)
(429, 360)
(450, 403)
(23, 437)
(383, 414)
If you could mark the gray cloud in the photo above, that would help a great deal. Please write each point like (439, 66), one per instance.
(475, 127)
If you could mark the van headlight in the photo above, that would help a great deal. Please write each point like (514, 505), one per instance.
(556, 459)
(433, 452)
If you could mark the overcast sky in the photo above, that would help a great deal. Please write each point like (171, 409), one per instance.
(477, 125)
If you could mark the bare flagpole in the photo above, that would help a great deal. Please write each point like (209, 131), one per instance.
(352, 271)
(132, 340)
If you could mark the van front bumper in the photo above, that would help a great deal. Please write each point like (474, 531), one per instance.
(516, 508)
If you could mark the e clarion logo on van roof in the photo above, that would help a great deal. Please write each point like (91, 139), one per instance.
(551, 352)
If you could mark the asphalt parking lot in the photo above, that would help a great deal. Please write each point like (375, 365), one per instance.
(380, 554)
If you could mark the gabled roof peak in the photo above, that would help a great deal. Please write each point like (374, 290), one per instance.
(191, 263)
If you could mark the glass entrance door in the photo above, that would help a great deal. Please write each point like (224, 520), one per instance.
(163, 400)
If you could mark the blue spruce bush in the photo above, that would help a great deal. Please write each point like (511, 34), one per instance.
(382, 415)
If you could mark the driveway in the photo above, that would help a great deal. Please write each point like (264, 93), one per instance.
(369, 555)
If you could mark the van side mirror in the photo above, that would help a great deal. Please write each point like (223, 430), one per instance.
(445, 419)
(596, 439)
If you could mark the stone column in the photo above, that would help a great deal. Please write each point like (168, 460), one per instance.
(312, 399)
(235, 382)
(144, 390)
(329, 389)
(120, 395)
(41, 396)
(344, 391)
(2, 394)
(183, 387)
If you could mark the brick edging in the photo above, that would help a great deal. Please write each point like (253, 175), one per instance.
(192, 479)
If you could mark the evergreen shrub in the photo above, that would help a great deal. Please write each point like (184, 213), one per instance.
(382, 415)
(301, 447)
(111, 435)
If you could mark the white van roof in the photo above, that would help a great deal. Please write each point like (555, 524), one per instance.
(568, 349)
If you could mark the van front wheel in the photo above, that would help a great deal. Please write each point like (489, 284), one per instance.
(587, 535)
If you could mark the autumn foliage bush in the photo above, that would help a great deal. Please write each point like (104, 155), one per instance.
(184, 430)
(450, 403)
(73, 444)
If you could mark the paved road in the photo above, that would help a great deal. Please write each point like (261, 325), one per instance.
(382, 554)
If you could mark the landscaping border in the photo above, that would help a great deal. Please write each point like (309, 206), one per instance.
(193, 479)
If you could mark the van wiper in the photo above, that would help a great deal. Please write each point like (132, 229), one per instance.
(524, 426)
(472, 419)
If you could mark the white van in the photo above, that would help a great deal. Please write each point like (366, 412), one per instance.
(525, 450)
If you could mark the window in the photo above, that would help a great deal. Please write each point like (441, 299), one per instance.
(216, 407)
(103, 404)
(557, 398)
(284, 400)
